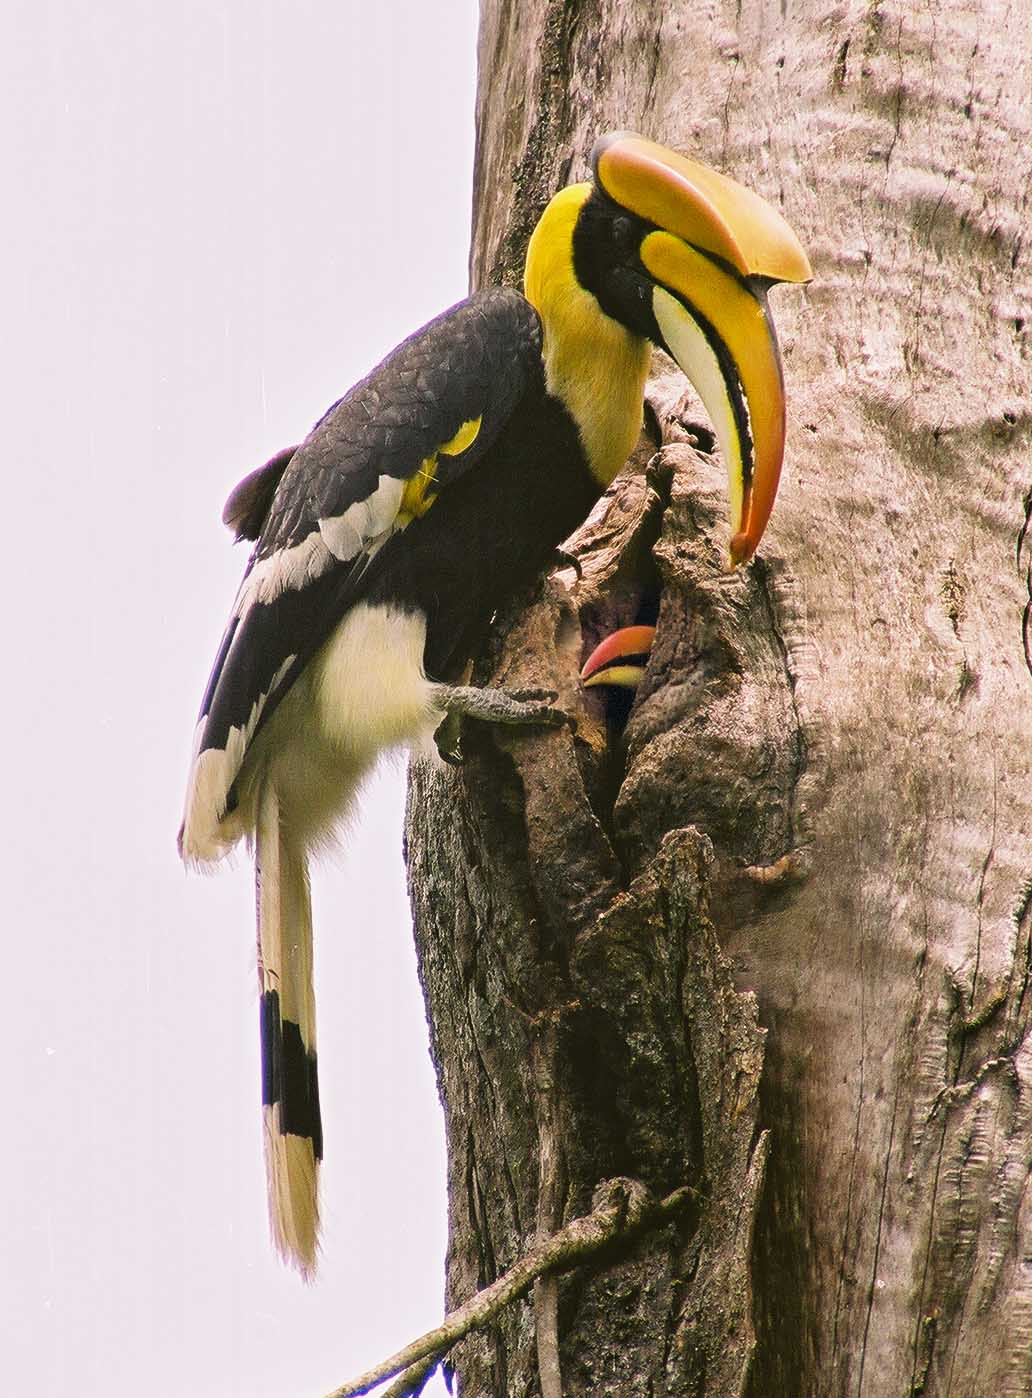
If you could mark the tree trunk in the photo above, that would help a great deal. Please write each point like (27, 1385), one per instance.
(768, 934)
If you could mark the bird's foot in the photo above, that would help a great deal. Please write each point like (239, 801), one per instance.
(530, 706)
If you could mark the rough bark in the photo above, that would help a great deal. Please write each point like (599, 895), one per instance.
(768, 934)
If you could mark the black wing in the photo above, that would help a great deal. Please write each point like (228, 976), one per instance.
(247, 508)
(378, 457)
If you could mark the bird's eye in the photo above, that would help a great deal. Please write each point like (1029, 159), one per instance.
(622, 232)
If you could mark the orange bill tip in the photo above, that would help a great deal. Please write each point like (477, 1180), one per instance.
(742, 549)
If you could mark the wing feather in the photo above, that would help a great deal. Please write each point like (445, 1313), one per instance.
(375, 460)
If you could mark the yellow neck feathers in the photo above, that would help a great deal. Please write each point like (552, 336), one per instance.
(593, 365)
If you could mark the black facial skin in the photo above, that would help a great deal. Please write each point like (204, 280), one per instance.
(606, 241)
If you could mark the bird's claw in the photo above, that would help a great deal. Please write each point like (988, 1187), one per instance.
(447, 737)
(451, 755)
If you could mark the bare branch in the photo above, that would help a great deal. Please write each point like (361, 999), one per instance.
(622, 1207)
(546, 1289)
(411, 1383)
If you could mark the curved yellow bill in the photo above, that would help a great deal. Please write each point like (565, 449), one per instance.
(716, 248)
(707, 209)
(719, 332)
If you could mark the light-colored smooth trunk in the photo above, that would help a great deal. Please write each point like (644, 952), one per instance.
(858, 702)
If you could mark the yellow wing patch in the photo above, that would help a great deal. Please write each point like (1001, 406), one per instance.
(420, 492)
(465, 437)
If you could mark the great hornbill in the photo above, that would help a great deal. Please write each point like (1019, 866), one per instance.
(426, 496)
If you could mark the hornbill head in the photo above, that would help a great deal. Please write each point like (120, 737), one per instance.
(682, 256)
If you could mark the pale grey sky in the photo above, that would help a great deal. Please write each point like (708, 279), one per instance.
(219, 215)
